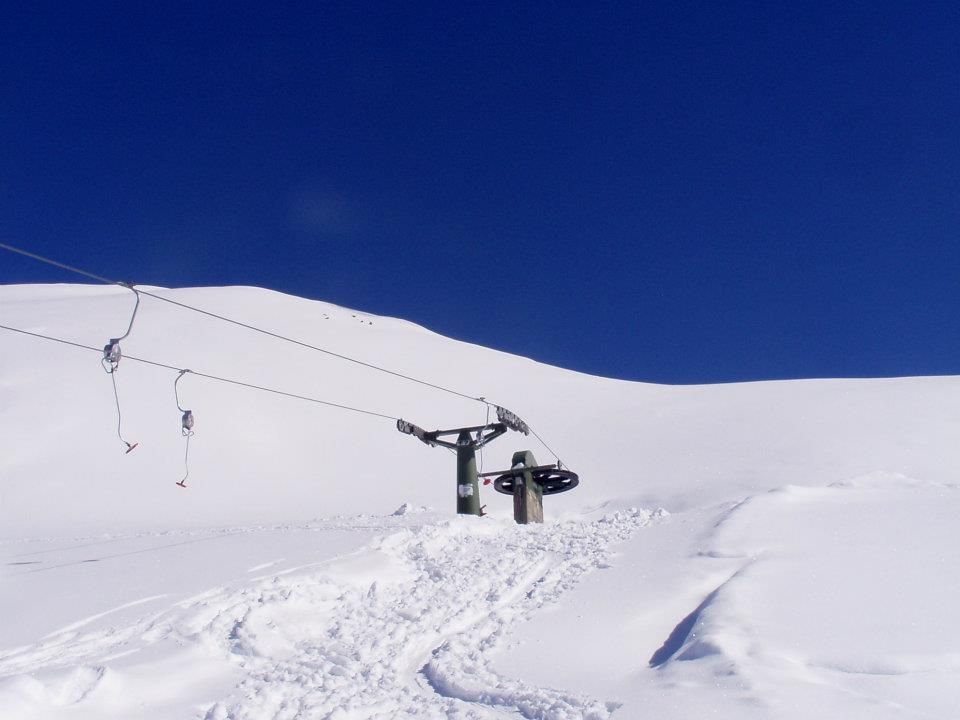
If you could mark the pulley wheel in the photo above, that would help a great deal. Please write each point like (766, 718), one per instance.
(551, 481)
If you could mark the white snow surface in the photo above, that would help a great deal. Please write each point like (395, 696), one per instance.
(761, 550)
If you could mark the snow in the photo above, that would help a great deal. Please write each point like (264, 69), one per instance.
(768, 550)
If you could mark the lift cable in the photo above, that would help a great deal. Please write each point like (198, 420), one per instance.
(62, 266)
(505, 416)
(208, 376)
(239, 323)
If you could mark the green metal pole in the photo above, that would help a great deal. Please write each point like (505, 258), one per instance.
(468, 488)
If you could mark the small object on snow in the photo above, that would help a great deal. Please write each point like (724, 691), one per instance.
(410, 509)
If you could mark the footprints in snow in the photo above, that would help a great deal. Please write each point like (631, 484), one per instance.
(420, 645)
(415, 643)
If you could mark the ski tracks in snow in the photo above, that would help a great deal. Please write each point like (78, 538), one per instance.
(419, 644)
(404, 628)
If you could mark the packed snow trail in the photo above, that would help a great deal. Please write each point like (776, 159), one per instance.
(403, 628)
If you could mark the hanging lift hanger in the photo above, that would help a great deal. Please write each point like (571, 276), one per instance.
(186, 428)
(111, 362)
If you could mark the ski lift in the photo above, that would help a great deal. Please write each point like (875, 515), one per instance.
(111, 362)
(469, 440)
(186, 428)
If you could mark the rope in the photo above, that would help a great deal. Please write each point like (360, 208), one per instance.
(186, 461)
(116, 396)
(216, 378)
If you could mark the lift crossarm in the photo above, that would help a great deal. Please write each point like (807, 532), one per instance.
(480, 435)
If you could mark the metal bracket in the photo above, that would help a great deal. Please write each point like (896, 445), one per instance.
(512, 420)
(483, 434)
(418, 432)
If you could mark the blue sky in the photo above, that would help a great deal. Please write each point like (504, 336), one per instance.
(674, 192)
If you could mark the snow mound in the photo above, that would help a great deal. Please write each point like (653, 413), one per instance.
(850, 566)
(409, 509)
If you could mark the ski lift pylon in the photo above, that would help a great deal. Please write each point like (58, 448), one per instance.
(469, 440)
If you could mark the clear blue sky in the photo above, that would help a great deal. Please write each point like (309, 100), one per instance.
(669, 191)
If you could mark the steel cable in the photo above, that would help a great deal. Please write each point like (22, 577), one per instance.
(217, 378)
(269, 333)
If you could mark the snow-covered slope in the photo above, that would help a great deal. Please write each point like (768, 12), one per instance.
(779, 549)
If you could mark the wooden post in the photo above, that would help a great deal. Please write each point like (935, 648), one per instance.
(527, 494)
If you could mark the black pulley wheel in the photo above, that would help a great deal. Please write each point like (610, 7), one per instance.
(551, 481)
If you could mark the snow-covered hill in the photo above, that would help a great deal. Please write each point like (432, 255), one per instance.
(779, 549)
